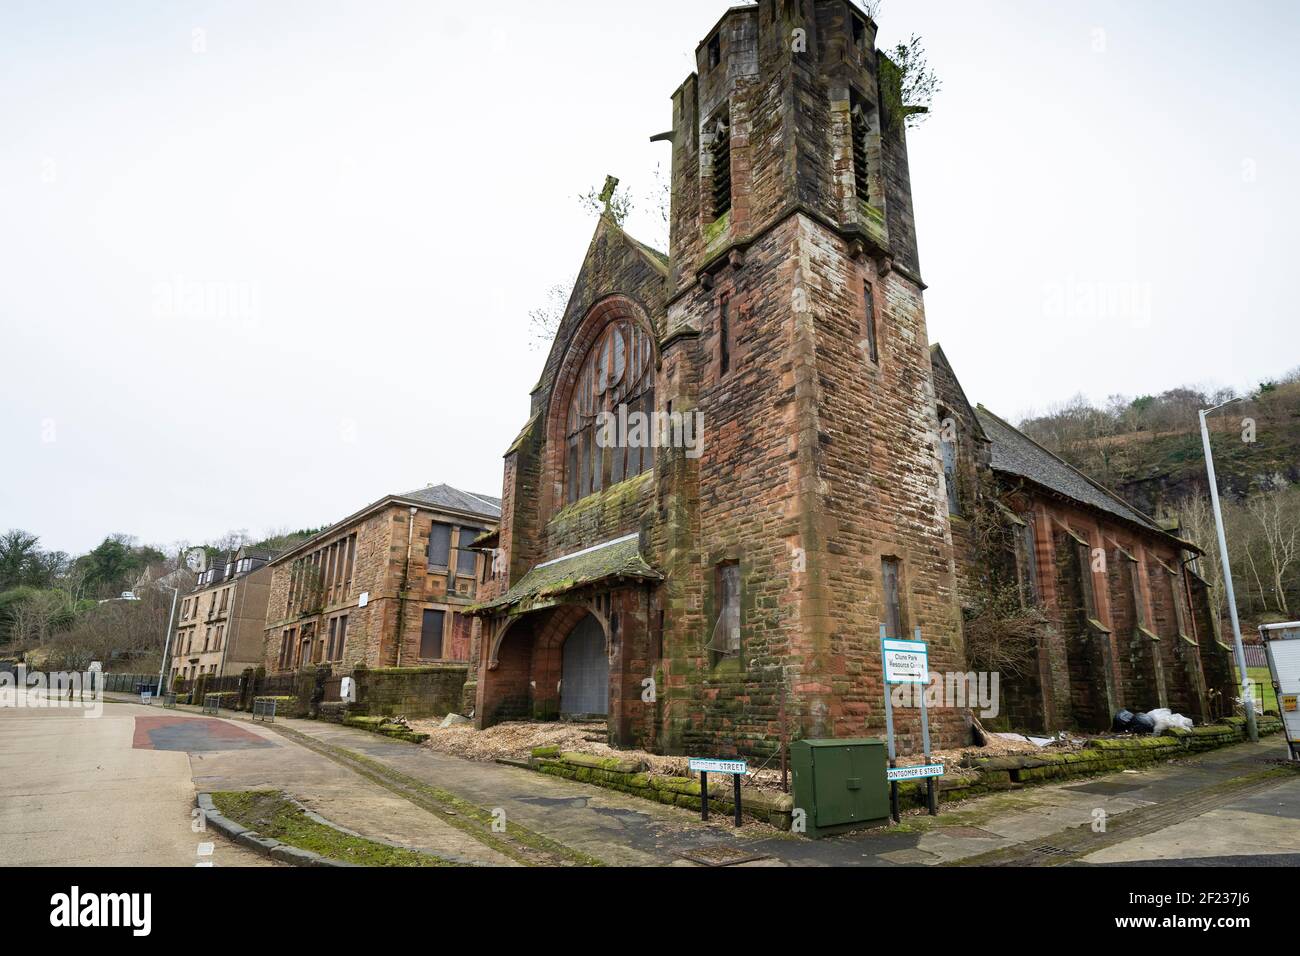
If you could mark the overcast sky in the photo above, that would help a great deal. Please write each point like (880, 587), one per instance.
(262, 263)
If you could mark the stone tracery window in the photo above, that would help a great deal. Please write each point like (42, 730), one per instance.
(616, 379)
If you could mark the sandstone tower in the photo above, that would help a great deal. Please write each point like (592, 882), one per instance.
(796, 306)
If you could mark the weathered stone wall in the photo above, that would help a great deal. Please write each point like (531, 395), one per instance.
(432, 691)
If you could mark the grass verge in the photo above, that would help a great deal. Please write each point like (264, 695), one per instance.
(271, 814)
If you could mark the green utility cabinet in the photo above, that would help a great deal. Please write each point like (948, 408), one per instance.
(840, 784)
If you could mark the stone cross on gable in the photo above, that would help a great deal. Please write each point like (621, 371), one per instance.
(607, 194)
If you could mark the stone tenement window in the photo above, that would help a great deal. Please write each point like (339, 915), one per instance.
(431, 635)
(439, 550)
(286, 647)
(720, 167)
(715, 51)
(466, 560)
(338, 636)
(324, 576)
(608, 435)
(890, 575)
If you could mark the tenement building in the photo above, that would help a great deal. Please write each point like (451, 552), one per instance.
(386, 587)
(219, 624)
(733, 477)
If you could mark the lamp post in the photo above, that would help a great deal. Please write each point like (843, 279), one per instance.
(167, 643)
(1248, 698)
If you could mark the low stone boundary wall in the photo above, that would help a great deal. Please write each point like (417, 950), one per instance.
(630, 776)
(981, 775)
(433, 691)
(382, 725)
(977, 776)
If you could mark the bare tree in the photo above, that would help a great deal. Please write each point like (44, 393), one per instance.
(32, 621)
(544, 321)
(1278, 520)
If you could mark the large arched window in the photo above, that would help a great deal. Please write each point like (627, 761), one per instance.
(616, 380)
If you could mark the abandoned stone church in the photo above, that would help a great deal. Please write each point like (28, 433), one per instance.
(714, 596)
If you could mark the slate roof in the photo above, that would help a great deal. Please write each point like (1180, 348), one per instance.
(1015, 453)
(614, 559)
(445, 496)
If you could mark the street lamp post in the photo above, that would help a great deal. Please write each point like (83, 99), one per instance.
(167, 643)
(1247, 696)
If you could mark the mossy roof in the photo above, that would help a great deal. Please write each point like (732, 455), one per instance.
(1015, 453)
(545, 582)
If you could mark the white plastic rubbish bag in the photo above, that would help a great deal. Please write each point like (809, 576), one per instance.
(1166, 718)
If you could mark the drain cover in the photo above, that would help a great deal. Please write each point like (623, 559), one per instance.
(1052, 851)
(720, 855)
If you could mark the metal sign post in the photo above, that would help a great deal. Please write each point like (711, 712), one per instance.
(734, 768)
(889, 727)
(931, 797)
(906, 662)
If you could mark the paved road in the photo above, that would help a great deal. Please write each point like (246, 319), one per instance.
(75, 791)
(119, 790)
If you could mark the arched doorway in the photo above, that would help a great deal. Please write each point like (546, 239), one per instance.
(584, 688)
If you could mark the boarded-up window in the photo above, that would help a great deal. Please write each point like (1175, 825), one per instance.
(1139, 605)
(1180, 608)
(726, 629)
(431, 636)
(724, 336)
(1084, 556)
(890, 587)
(949, 449)
(439, 545)
(337, 637)
(465, 558)
(1028, 562)
(869, 322)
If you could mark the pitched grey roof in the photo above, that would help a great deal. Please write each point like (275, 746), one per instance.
(445, 496)
(1015, 453)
